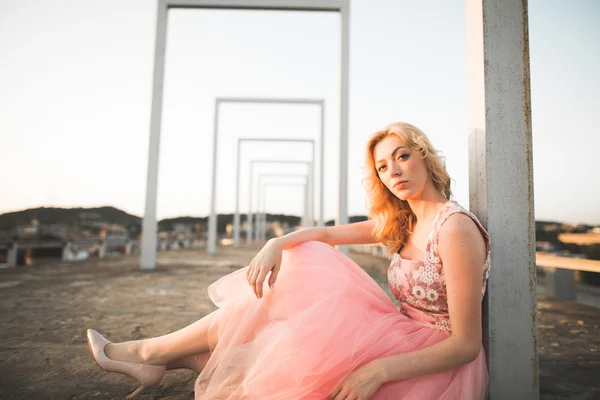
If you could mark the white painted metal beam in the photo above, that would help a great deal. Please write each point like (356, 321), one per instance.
(236, 216)
(284, 5)
(250, 197)
(305, 217)
(262, 232)
(273, 100)
(148, 259)
(212, 220)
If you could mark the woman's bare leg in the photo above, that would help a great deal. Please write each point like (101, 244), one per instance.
(196, 362)
(193, 340)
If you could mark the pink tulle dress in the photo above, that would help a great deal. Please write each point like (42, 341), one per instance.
(325, 318)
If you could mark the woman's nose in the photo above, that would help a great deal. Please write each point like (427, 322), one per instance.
(395, 169)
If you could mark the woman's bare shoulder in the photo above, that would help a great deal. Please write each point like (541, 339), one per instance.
(459, 230)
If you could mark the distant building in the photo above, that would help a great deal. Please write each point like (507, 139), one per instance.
(552, 227)
(134, 230)
(36, 229)
(31, 249)
(546, 247)
(179, 227)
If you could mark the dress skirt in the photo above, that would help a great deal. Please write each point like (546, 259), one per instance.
(324, 318)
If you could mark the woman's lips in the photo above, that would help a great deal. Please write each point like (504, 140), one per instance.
(400, 185)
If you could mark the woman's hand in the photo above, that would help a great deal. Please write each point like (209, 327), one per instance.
(267, 260)
(361, 384)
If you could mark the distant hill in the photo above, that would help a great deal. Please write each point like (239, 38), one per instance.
(351, 219)
(112, 215)
(166, 225)
(224, 219)
(67, 216)
(70, 216)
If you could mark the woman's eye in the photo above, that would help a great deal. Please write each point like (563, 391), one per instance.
(381, 168)
(403, 157)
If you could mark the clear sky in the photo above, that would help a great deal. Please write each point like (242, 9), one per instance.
(76, 82)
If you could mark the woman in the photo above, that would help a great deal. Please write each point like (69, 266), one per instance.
(322, 328)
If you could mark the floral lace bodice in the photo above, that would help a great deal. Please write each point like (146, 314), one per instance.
(420, 286)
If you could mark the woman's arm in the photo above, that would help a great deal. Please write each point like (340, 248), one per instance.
(269, 257)
(356, 233)
(463, 252)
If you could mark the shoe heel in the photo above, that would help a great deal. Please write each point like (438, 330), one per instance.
(135, 392)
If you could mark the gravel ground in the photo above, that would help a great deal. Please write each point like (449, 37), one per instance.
(45, 310)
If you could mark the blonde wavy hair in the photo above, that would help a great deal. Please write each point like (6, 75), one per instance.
(393, 217)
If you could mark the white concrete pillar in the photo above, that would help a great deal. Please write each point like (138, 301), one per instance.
(263, 213)
(13, 255)
(311, 196)
(311, 185)
(501, 188)
(67, 250)
(250, 231)
(236, 214)
(342, 211)
(257, 227)
(311, 193)
(306, 217)
(262, 226)
(259, 212)
(149, 226)
(102, 251)
(128, 247)
(212, 219)
(560, 283)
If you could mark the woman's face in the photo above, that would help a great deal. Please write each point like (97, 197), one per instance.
(402, 170)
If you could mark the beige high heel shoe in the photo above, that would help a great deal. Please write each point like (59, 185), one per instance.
(146, 375)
